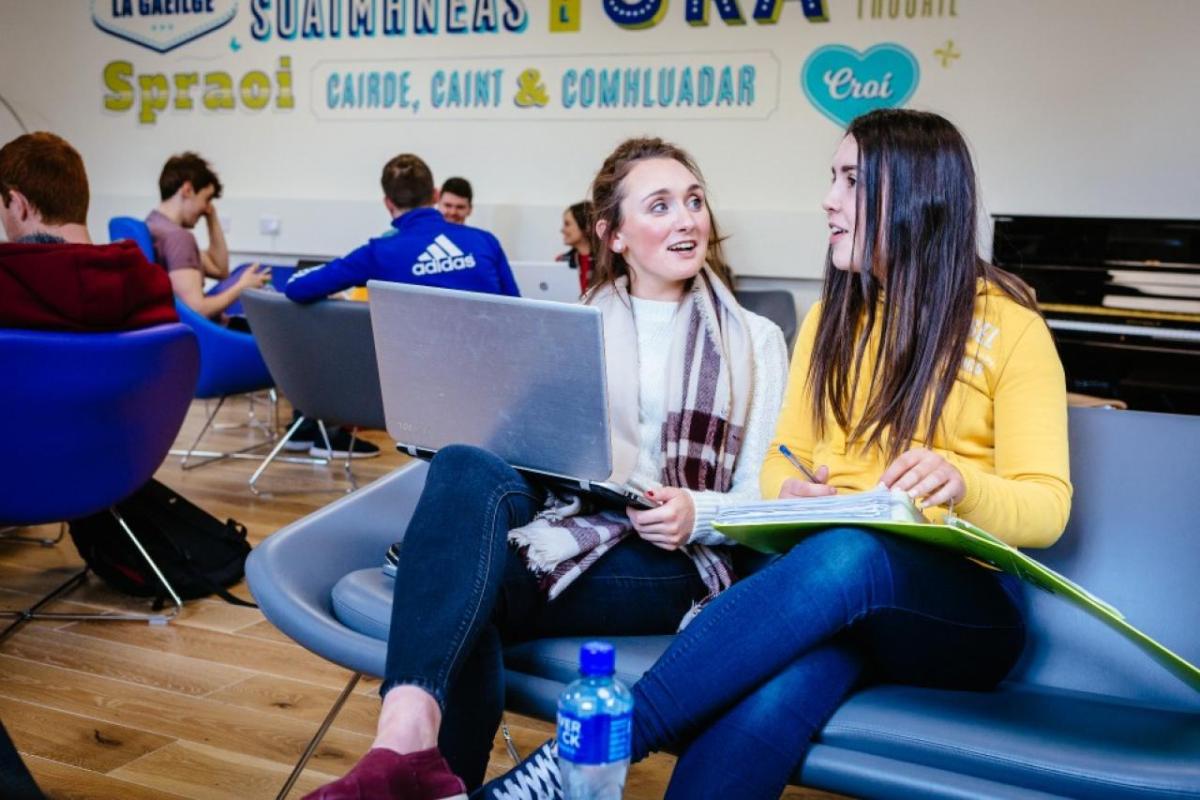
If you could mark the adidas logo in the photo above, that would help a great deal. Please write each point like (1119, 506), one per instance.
(442, 256)
(535, 778)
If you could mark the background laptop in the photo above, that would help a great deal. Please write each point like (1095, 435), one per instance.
(547, 280)
(522, 378)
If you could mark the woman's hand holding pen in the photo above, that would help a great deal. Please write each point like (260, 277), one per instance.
(814, 484)
(799, 487)
(926, 476)
(668, 525)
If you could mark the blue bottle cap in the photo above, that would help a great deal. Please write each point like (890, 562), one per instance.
(597, 658)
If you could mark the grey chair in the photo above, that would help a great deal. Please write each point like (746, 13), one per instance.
(322, 357)
(777, 305)
(293, 573)
(1084, 714)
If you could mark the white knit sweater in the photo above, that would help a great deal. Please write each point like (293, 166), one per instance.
(655, 320)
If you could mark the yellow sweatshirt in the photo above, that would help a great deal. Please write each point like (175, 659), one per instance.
(1004, 426)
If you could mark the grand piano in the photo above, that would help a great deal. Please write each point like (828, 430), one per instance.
(1122, 298)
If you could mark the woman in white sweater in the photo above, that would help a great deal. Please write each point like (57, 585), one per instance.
(490, 557)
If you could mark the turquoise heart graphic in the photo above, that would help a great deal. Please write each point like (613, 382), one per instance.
(843, 83)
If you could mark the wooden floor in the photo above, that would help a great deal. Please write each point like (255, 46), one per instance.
(218, 704)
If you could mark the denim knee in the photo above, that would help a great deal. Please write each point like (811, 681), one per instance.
(839, 552)
(457, 460)
(842, 572)
(460, 476)
(460, 497)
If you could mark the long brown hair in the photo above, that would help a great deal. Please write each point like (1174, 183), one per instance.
(916, 209)
(607, 193)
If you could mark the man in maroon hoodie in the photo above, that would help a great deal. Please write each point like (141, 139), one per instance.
(51, 276)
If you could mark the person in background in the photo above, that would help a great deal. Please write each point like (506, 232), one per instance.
(694, 382)
(576, 234)
(51, 275)
(188, 187)
(422, 247)
(454, 200)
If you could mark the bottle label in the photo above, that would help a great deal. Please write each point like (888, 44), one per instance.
(599, 739)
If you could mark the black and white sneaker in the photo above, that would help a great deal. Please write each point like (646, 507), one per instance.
(304, 437)
(535, 778)
(391, 560)
(339, 444)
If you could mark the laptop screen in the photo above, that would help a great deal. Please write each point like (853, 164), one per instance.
(522, 378)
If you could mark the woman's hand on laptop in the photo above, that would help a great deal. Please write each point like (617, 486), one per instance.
(670, 524)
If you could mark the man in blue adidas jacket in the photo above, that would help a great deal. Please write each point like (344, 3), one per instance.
(421, 248)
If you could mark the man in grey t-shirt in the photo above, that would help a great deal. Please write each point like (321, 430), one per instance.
(188, 186)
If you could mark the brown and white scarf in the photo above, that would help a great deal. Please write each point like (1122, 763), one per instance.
(710, 378)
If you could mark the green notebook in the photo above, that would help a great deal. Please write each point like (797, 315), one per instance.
(774, 526)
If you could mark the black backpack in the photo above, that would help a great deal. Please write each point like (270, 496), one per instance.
(198, 554)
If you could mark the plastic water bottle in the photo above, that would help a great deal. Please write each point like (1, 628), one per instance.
(595, 728)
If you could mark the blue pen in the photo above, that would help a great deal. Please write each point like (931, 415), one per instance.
(795, 462)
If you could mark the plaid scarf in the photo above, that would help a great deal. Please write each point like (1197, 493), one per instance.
(710, 379)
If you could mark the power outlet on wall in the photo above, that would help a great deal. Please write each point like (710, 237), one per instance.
(269, 225)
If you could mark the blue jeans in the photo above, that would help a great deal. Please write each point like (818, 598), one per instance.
(462, 593)
(743, 690)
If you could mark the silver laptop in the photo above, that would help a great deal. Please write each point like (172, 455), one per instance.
(547, 280)
(522, 378)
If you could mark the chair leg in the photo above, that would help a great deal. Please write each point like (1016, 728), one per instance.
(350, 476)
(325, 437)
(274, 456)
(32, 613)
(274, 395)
(35, 612)
(209, 456)
(318, 736)
(9, 535)
(252, 420)
(208, 421)
(274, 452)
(509, 744)
(160, 619)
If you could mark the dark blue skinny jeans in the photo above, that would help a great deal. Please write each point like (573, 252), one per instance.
(743, 690)
(462, 593)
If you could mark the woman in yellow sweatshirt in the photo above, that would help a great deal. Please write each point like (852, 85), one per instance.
(924, 369)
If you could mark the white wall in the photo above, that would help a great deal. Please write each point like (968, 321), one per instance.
(1073, 107)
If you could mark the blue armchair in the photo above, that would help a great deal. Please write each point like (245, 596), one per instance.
(230, 362)
(113, 401)
(134, 229)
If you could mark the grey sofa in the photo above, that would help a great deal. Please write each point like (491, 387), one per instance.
(1085, 714)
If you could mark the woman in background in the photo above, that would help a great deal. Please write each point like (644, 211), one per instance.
(576, 234)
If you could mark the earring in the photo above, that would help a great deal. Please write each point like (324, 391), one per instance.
(618, 247)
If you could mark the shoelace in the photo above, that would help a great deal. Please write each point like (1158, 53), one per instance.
(535, 778)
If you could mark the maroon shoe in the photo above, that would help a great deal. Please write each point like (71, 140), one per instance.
(386, 775)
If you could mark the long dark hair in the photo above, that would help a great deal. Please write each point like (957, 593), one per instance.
(582, 214)
(916, 213)
(608, 192)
